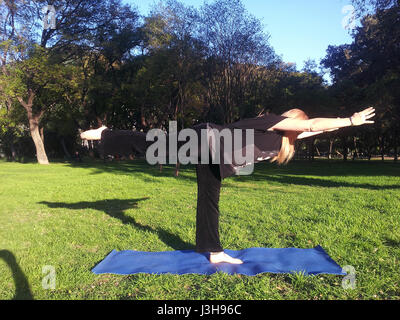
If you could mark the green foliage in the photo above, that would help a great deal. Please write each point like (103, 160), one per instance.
(365, 6)
(104, 64)
(39, 65)
(366, 72)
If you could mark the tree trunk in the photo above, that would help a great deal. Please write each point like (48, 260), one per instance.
(330, 148)
(9, 105)
(13, 151)
(42, 134)
(312, 149)
(143, 118)
(34, 127)
(355, 152)
(316, 149)
(37, 140)
(383, 148)
(395, 142)
(67, 154)
(344, 145)
(100, 122)
(177, 166)
(12, 145)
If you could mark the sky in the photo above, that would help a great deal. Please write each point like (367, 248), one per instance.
(298, 29)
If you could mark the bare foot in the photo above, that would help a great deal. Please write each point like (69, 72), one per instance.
(218, 257)
(94, 134)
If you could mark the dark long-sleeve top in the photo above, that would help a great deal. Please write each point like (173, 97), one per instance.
(267, 144)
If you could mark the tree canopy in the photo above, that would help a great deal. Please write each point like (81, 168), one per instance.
(103, 63)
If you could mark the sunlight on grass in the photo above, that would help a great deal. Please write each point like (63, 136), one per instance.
(71, 216)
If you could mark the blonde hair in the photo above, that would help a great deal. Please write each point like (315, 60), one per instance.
(287, 149)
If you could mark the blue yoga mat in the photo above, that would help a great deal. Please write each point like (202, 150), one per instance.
(255, 261)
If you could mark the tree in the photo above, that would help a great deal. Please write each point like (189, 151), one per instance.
(370, 6)
(33, 56)
(370, 66)
(237, 45)
(170, 31)
(35, 78)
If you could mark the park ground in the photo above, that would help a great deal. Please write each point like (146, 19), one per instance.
(70, 216)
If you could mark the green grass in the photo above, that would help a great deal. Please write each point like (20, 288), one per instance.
(72, 216)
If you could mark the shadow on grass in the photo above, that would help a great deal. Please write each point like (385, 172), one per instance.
(315, 182)
(140, 168)
(263, 171)
(327, 168)
(22, 288)
(391, 242)
(116, 208)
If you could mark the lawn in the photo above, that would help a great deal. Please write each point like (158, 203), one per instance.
(70, 216)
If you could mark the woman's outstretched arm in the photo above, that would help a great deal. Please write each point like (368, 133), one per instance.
(305, 135)
(325, 124)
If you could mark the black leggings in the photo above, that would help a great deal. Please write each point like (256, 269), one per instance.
(125, 142)
(207, 216)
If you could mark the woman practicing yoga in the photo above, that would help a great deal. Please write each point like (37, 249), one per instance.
(274, 138)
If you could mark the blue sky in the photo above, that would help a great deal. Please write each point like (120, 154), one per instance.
(299, 29)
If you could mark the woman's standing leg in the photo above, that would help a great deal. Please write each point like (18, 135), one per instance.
(207, 218)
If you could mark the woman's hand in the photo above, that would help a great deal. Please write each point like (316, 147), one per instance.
(362, 117)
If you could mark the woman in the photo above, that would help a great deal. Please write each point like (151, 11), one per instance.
(274, 138)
